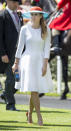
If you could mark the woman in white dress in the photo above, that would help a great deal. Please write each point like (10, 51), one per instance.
(35, 75)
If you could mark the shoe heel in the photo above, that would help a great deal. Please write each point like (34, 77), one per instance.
(27, 115)
(29, 120)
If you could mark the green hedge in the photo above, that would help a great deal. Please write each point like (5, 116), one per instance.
(53, 65)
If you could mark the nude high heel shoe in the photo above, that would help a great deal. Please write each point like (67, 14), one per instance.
(29, 117)
(40, 121)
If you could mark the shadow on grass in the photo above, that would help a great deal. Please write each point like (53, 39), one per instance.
(42, 111)
(6, 127)
(10, 122)
(45, 111)
(45, 126)
(57, 125)
(52, 112)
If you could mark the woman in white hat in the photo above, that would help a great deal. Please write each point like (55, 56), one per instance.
(35, 75)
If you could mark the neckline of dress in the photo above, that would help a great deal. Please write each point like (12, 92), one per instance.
(34, 28)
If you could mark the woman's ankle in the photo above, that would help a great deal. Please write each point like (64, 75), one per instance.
(40, 120)
(30, 113)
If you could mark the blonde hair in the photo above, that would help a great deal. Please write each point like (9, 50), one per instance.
(43, 28)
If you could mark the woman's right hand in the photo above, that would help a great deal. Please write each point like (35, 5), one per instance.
(14, 67)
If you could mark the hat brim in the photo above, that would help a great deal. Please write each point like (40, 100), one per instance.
(28, 14)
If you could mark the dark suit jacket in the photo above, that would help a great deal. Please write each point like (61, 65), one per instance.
(8, 38)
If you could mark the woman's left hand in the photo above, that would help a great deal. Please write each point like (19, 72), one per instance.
(44, 68)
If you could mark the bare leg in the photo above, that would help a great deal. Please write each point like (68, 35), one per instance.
(31, 107)
(36, 103)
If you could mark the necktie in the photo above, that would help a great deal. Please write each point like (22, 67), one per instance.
(16, 21)
(16, 17)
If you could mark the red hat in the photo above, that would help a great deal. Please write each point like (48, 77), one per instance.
(36, 9)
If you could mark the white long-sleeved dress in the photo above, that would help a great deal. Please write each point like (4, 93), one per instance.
(31, 61)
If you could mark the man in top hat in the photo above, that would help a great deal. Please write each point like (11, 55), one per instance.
(10, 25)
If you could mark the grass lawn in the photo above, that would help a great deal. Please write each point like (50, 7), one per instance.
(54, 120)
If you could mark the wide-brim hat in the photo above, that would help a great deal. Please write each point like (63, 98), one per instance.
(35, 9)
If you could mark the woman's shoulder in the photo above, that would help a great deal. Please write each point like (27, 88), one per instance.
(25, 26)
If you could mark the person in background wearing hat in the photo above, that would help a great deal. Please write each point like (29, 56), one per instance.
(35, 75)
(61, 23)
(10, 25)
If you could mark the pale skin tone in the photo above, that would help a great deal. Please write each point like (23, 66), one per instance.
(13, 6)
(34, 99)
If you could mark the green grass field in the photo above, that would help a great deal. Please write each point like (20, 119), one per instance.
(54, 120)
